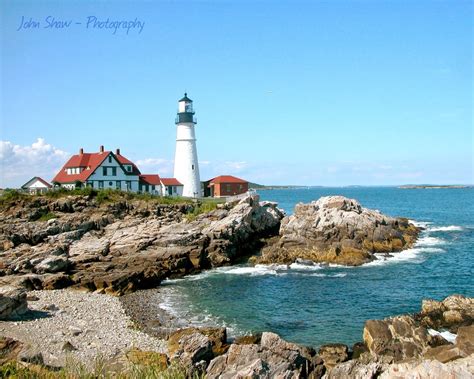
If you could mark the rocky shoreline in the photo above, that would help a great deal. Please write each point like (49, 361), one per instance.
(65, 324)
(123, 247)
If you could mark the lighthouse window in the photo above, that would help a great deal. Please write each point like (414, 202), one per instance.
(193, 167)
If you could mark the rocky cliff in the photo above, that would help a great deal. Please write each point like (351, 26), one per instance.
(122, 246)
(335, 229)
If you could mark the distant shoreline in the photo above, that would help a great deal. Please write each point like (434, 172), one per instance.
(429, 186)
(261, 187)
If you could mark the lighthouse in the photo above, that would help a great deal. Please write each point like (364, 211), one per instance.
(186, 167)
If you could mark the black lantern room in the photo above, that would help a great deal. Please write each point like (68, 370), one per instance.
(185, 110)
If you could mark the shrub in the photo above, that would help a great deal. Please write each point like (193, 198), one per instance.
(201, 208)
(9, 196)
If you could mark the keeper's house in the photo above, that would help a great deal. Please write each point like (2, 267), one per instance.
(225, 185)
(106, 169)
(36, 185)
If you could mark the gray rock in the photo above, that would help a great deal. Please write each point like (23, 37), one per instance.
(336, 229)
(273, 358)
(68, 346)
(52, 264)
(12, 301)
(30, 354)
(396, 338)
(194, 348)
(355, 370)
(332, 354)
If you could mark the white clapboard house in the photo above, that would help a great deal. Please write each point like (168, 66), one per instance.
(107, 169)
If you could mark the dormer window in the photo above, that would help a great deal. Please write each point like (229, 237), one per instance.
(73, 170)
(110, 159)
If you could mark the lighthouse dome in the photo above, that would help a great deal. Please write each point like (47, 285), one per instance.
(186, 98)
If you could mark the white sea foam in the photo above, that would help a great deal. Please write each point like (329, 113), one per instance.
(448, 336)
(320, 275)
(258, 270)
(414, 255)
(450, 228)
(305, 267)
(429, 241)
(421, 224)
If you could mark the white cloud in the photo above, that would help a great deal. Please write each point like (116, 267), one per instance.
(160, 166)
(236, 166)
(20, 163)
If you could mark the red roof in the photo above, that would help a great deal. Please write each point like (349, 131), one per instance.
(170, 182)
(89, 162)
(150, 179)
(226, 179)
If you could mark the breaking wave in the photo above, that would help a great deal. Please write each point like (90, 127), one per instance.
(450, 228)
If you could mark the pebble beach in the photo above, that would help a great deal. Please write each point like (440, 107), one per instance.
(82, 326)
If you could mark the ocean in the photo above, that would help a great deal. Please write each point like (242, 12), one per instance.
(314, 305)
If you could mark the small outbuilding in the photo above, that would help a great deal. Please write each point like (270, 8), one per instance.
(36, 185)
(171, 187)
(225, 185)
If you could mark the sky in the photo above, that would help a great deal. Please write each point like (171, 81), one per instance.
(328, 93)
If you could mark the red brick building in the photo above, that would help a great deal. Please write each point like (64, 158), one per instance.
(227, 185)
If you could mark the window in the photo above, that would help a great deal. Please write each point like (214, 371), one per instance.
(129, 185)
(114, 171)
(227, 187)
(104, 171)
(111, 184)
(192, 167)
(129, 168)
(241, 187)
(174, 189)
(110, 159)
(118, 184)
(101, 184)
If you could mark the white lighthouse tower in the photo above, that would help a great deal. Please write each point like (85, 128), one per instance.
(186, 167)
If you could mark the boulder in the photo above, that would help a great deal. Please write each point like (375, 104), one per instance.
(332, 354)
(396, 338)
(12, 301)
(30, 354)
(52, 264)
(465, 339)
(433, 369)
(216, 336)
(273, 357)
(451, 313)
(336, 229)
(444, 353)
(354, 369)
(193, 348)
(9, 349)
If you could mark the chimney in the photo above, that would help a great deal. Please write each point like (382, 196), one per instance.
(117, 151)
(81, 151)
(101, 149)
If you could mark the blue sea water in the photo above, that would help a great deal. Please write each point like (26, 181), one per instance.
(317, 305)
